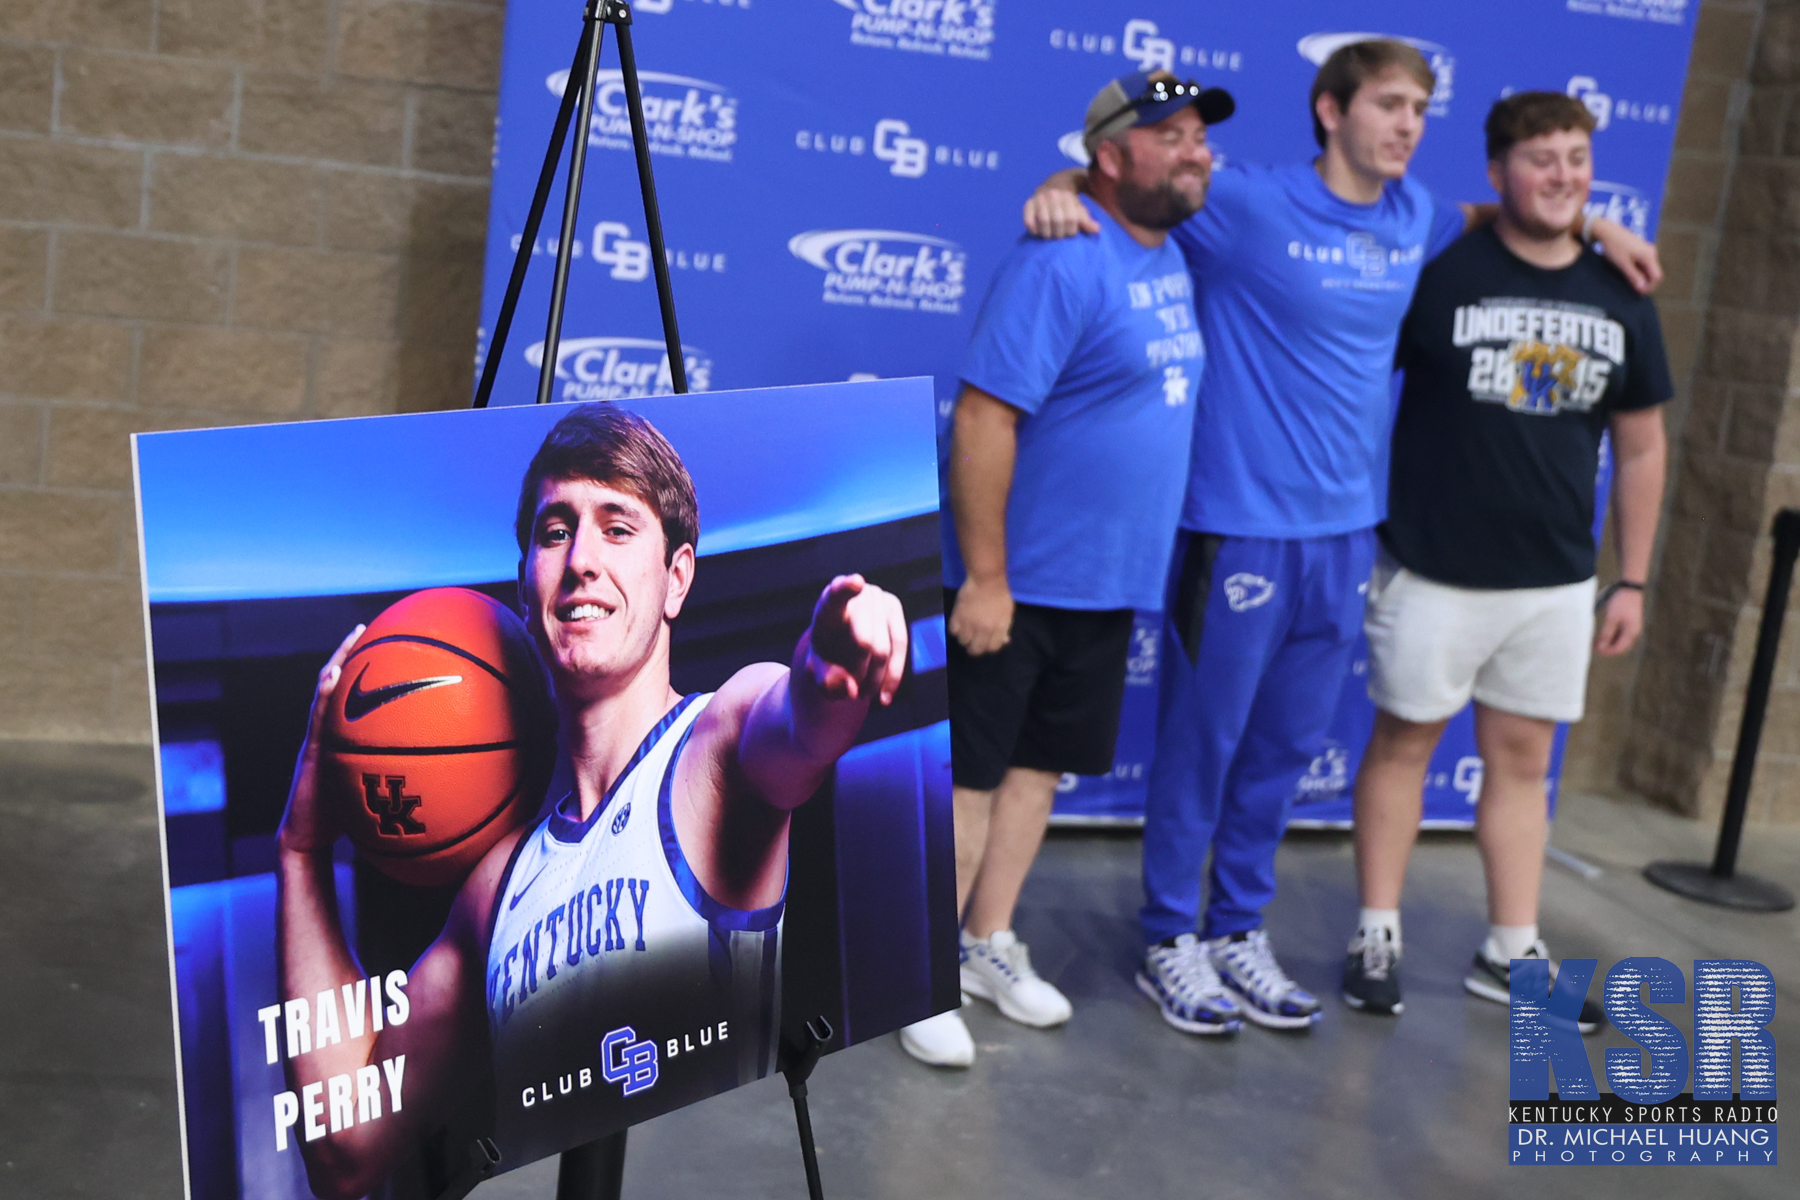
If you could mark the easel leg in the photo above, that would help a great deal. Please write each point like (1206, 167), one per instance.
(595, 1171)
(533, 220)
(565, 245)
(797, 1066)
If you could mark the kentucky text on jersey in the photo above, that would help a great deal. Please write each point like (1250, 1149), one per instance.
(587, 924)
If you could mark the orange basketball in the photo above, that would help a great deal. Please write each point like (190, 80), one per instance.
(439, 735)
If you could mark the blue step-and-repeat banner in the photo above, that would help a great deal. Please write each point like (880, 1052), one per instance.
(838, 179)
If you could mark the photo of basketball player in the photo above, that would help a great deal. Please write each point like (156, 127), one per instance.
(649, 896)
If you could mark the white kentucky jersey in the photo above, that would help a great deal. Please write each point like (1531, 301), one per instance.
(616, 987)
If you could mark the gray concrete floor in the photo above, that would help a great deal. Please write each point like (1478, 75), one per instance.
(1115, 1104)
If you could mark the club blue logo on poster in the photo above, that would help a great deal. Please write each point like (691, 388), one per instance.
(957, 28)
(620, 368)
(684, 117)
(886, 268)
(1649, 1115)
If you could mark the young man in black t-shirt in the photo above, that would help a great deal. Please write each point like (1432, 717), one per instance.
(1520, 350)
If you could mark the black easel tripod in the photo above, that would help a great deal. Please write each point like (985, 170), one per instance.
(596, 1171)
(578, 94)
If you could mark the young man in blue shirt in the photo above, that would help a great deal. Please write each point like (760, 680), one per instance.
(1304, 274)
(1068, 458)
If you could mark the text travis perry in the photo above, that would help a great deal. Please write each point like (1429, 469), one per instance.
(628, 1061)
(342, 1100)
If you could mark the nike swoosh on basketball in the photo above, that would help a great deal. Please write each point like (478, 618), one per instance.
(359, 704)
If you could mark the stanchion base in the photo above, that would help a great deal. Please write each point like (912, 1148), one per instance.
(1697, 882)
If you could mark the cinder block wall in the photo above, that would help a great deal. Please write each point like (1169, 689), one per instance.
(211, 211)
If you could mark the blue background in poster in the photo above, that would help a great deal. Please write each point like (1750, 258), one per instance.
(806, 150)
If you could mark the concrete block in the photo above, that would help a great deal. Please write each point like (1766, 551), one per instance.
(357, 378)
(114, 24)
(1705, 106)
(1765, 121)
(65, 358)
(222, 370)
(244, 199)
(293, 35)
(27, 86)
(70, 183)
(90, 447)
(390, 214)
(415, 42)
(128, 275)
(24, 268)
(1696, 186)
(1722, 42)
(335, 120)
(21, 444)
(453, 133)
(317, 292)
(145, 99)
(36, 531)
(1748, 347)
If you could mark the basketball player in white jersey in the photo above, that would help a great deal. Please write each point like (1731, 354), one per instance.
(619, 957)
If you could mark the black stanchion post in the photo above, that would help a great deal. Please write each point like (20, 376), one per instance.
(797, 1064)
(1720, 883)
(595, 1171)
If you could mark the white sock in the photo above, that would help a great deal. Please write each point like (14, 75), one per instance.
(1376, 919)
(1507, 942)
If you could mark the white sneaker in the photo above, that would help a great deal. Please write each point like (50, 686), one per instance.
(999, 971)
(940, 1041)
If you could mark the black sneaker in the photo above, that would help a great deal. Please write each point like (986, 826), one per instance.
(1372, 973)
(1493, 981)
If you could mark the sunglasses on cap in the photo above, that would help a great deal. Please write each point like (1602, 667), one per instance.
(1160, 91)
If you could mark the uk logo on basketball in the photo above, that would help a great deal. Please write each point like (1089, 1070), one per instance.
(1650, 1116)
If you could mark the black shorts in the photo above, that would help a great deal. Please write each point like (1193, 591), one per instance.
(1049, 700)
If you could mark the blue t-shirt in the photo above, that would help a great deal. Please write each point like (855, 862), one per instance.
(1301, 295)
(1094, 340)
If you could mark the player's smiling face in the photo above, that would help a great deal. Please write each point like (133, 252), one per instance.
(598, 583)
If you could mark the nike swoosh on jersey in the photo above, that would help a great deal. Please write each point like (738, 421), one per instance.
(359, 704)
(520, 894)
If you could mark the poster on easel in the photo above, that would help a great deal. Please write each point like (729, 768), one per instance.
(528, 772)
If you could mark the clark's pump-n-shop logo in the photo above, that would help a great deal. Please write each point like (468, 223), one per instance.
(1144, 43)
(886, 268)
(685, 117)
(1315, 48)
(1650, 1116)
(958, 28)
(620, 368)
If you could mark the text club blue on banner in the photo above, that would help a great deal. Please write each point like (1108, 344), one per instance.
(838, 179)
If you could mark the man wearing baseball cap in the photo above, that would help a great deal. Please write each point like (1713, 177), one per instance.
(1067, 461)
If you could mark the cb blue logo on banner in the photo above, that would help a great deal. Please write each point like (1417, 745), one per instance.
(625, 1060)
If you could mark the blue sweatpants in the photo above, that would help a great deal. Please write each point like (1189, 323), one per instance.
(1258, 633)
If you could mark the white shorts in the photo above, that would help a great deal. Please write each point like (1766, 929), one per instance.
(1518, 650)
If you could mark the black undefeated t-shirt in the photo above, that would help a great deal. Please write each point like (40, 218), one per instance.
(1511, 373)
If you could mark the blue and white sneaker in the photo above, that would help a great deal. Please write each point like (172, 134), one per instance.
(1187, 989)
(1248, 969)
(999, 971)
